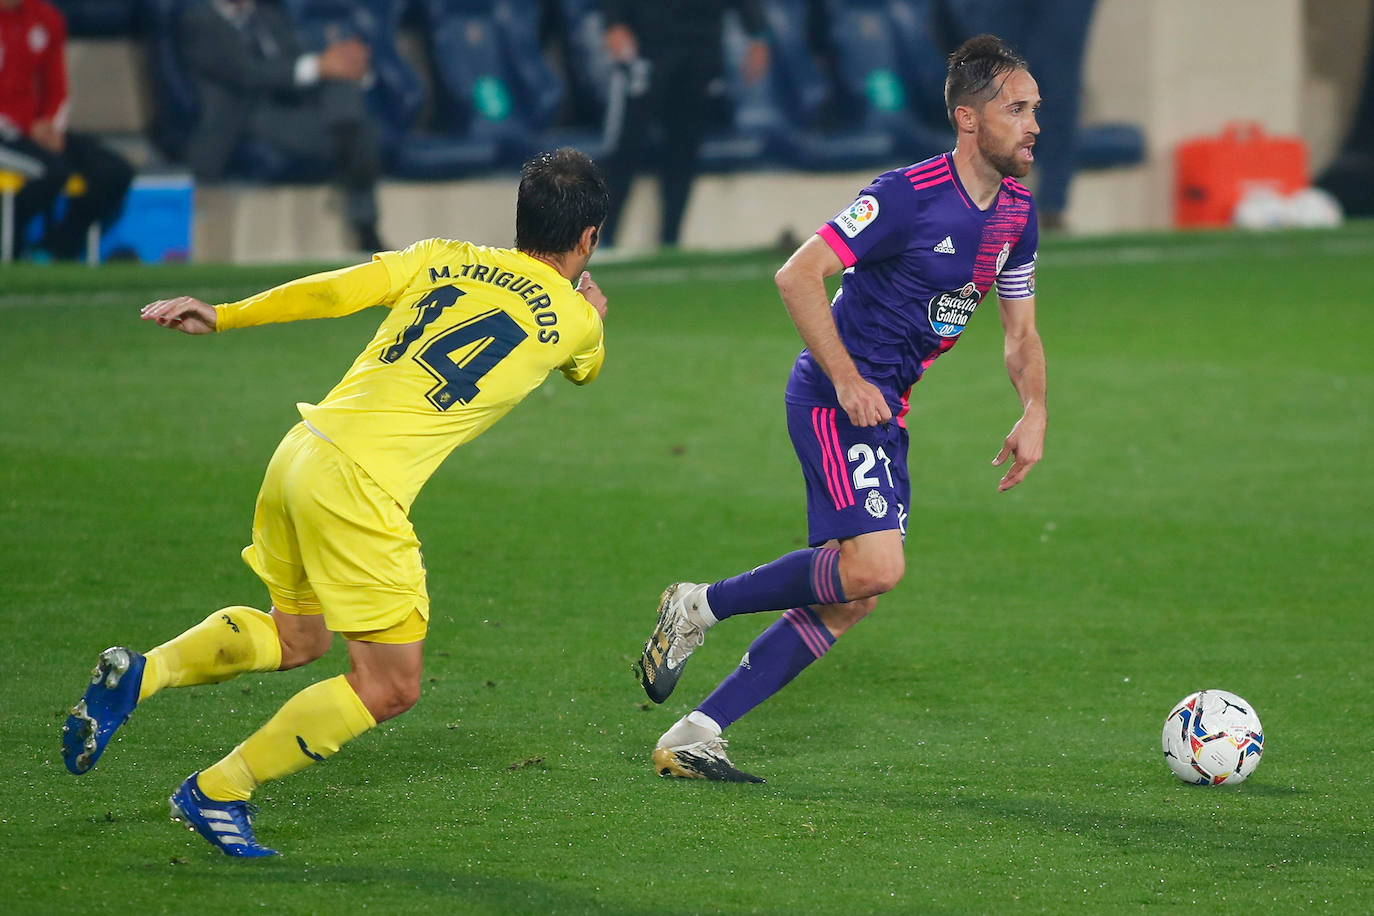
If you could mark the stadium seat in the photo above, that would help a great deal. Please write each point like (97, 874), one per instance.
(1105, 146)
(866, 51)
(474, 97)
(174, 99)
(396, 99)
(802, 99)
(749, 115)
(772, 121)
(921, 37)
(398, 95)
(581, 25)
(15, 170)
(494, 84)
(99, 18)
(922, 59)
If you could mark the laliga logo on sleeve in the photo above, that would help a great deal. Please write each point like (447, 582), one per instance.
(859, 216)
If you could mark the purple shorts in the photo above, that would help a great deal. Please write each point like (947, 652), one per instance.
(856, 477)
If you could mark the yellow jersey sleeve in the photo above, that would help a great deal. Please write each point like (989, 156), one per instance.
(585, 363)
(331, 294)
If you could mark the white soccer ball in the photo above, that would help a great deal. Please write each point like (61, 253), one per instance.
(1213, 737)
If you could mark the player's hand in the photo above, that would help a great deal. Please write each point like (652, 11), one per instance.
(592, 293)
(185, 314)
(864, 403)
(346, 59)
(1025, 444)
(48, 135)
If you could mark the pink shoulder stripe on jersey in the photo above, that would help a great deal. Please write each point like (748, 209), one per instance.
(936, 173)
(927, 168)
(930, 183)
(837, 244)
(1015, 185)
(832, 458)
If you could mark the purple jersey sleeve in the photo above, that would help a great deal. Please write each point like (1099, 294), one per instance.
(877, 225)
(1023, 252)
(1016, 280)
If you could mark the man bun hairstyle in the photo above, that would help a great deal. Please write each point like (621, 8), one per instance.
(561, 194)
(977, 70)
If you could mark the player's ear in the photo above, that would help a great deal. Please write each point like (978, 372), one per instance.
(586, 244)
(966, 118)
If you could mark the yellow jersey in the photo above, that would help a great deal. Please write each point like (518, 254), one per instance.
(471, 331)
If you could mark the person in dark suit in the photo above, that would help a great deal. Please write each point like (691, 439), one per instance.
(256, 82)
(666, 55)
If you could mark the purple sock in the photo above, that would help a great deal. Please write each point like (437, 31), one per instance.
(794, 641)
(800, 578)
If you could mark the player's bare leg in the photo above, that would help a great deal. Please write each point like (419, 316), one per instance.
(303, 638)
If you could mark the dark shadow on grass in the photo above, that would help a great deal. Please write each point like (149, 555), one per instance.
(412, 889)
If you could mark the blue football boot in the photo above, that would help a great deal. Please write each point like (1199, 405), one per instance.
(107, 704)
(228, 826)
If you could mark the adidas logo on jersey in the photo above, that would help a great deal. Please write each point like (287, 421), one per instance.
(946, 247)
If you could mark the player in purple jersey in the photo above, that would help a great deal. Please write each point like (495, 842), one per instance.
(921, 247)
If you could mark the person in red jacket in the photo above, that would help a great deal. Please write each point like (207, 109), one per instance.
(33, 131)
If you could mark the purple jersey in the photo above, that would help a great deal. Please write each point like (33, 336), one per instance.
(919, 257)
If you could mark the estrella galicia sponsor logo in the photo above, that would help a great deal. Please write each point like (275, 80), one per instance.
(875, 504)
(859, 216)
(950, 311)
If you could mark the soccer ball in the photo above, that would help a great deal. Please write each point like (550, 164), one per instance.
(1213, 737)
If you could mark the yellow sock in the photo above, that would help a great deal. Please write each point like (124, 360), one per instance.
(229, 642)
(311, 726)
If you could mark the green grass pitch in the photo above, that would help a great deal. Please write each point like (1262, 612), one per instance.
(988, 741)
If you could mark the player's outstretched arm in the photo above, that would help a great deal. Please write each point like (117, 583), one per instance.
(1025, 357)
(185, 314)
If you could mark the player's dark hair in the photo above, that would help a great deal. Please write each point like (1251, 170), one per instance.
(561, 194)
(977, 70)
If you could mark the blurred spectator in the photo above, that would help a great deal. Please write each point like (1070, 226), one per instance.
(1350, 176)
(33, 123)
(666, 54)
(256, 83)
(1053, 37)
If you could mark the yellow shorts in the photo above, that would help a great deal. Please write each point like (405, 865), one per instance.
(328, 540)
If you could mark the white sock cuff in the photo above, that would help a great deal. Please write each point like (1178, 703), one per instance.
(703, 609)
(701, 720)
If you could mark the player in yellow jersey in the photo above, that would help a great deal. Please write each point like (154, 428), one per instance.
(471, 330)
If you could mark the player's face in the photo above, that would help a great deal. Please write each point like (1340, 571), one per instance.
(1008, 128)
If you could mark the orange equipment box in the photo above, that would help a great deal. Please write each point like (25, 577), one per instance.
(1212, 174)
